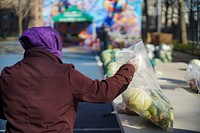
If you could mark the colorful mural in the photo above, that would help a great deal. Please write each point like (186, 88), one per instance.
(124, 16)
(115, 14)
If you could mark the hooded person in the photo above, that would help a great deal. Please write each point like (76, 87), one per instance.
(40, 93)
(46, 38)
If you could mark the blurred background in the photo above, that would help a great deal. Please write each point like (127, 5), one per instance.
(175, 23)
(170, 30)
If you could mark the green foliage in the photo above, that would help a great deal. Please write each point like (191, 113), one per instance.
(181, 46)
(189, 48)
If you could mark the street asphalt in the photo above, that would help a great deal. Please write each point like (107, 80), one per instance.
(180, 56)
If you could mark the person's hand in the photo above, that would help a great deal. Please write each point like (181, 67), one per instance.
(134, 61)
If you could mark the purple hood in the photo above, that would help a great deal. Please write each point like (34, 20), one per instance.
(44, 37)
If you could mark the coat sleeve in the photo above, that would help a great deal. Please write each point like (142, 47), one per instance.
(1, 104)
(100, 91)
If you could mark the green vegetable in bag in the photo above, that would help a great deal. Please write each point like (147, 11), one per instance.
(137, 99)
(144, 95)
(150, 105)
(111, 68)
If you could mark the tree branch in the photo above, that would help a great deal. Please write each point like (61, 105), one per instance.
(5, 3)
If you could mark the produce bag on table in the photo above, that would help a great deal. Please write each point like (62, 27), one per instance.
(144, 95)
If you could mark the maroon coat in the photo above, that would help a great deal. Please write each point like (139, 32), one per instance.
(40, 93)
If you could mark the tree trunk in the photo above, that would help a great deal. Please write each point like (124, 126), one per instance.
(182, 22)
(22, 8)
(20, 19)
(166, 15)
(159, 10)
(147, 18)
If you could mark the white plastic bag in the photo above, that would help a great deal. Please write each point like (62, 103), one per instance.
(192, 76)
(144, 95)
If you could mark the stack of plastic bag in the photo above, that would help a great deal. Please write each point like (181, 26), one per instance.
(144, 95)
(150, 51)
(192, 75)
(164, 52)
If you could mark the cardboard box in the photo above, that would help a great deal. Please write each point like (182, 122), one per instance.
(157, 38)
(165, 38)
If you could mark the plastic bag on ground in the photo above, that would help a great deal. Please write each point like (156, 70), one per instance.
(144, 95)
(192, 76)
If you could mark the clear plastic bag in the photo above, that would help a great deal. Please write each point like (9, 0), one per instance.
(144, 95)
(192, 75)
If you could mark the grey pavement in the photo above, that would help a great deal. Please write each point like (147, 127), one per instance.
(179, 56)
(186, 103)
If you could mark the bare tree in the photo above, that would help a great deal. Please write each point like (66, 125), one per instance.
(167, 4)
(182, 22)
(5, 3)
(194, 23)
(22, 8)
(146, 19)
